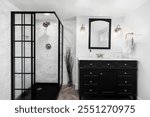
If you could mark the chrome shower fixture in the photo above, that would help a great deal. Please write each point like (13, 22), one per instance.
(46, 24)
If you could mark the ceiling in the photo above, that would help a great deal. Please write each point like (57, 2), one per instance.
(67, 9)
(49, 17)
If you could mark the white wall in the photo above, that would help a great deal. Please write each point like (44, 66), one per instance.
(5, 76)
(139, 23)
(82, 41)
(69, 41)
(82, 38)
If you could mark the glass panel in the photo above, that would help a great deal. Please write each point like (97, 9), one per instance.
(18, 81)
(17, 18)
(27, 95)
(17, 32)
(28, 65)
(27, 18)
(23, 49)
(46, 59)
(32, 34)
(27, 33)
(18, 49)
(18, 94)
(28, 49)
(32, 18)
(32, 65)
(27, 81)
(18, 65)
(33, 49)
(61, 28)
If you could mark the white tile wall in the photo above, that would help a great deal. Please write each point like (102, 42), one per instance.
(46, 59)
(5, 71)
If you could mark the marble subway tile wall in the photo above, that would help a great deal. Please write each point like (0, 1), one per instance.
(46, 59)
(69, 41)
(5, 55)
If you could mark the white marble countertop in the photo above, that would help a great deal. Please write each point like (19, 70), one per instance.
(88, 58)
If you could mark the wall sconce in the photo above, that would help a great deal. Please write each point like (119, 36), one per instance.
(82, 29)
(118, 29)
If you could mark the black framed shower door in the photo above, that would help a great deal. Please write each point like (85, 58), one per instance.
(23, 55)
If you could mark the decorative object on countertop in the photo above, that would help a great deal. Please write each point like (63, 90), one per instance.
(69, 65)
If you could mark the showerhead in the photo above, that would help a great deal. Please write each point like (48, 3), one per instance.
(46, 24)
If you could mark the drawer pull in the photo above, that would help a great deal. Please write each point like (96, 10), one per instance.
(125, 72)
(101, 74)
(91, 73)
(126, 81)
(91, 90)
(125, 90)
(108, 64)
(125, 64)
(90, 81)
(91, 64)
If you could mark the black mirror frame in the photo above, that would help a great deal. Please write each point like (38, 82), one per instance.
(97, 19)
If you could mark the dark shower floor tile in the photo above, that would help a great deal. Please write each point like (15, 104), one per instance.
(46, 91)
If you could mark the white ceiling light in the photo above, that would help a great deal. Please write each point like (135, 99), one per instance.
(66, 9)
(47, 14)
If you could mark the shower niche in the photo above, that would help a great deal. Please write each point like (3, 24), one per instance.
(36, 55)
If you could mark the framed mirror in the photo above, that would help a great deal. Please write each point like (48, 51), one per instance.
(99, 33)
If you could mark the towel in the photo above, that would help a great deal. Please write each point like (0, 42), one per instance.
(128, 46)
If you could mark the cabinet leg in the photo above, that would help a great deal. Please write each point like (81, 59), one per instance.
(134, 97)
(80, 98)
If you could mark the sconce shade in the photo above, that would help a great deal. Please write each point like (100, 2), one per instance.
(82, 28)
(117, 29)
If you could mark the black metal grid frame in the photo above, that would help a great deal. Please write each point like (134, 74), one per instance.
(33, 50)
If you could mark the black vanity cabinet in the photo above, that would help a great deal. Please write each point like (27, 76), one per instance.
(103, 79)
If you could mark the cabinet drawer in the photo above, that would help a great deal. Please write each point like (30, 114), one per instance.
(88, 72)
(89, 90)
(89, 81)
(125, 90)
(88, 64)
(126, 73)
(125, 81)
(108, 64)
(97, 64)
(127, 64)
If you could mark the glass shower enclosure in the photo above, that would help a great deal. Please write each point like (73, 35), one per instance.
(36, 55)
